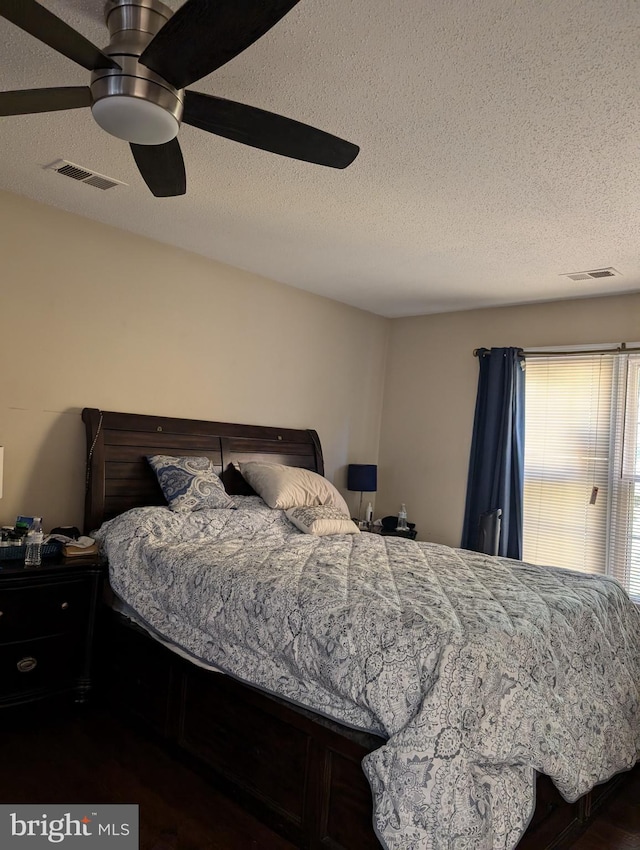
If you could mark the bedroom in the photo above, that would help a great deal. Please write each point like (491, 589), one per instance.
(225, 344)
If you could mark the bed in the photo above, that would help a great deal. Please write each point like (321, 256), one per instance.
(297, 767)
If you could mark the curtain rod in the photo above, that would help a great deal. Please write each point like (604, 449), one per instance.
(620, 349)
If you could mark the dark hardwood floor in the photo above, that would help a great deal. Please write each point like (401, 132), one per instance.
(88, 755)
(617, 826)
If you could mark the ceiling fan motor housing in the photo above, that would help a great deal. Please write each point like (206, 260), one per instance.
(134, 103)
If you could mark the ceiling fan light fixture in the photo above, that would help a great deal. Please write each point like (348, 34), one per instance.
(139, 82)
(135, 120)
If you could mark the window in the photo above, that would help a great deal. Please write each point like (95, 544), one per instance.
(582, 463)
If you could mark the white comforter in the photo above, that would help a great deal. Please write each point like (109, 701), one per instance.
(479, 671)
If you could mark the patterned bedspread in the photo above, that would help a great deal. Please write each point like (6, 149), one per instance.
(478, 671)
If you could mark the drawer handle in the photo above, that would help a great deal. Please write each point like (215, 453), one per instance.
(64, 606)
(25, 665)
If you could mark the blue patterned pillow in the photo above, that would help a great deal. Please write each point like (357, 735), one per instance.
(189, 483)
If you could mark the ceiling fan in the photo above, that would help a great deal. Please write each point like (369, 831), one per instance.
(139, 82)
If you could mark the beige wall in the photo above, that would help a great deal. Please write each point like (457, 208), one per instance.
(93, 316)
(430, 390)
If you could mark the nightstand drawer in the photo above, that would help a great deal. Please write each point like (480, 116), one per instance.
(43, 609)
(31, 665)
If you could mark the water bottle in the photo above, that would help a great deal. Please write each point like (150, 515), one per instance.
(33, 548)
(402, 519)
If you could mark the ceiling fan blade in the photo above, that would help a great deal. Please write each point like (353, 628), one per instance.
(44, 100)
(162, 168)
(44, 25)
(204, 34)
(266, 130)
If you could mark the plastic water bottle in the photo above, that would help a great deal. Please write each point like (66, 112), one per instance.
(33, 548)
(402, 519)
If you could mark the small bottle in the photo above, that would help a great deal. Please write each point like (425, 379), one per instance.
(402, 519)
(369, 515)
(33, 548)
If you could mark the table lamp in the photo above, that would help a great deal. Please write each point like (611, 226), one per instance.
(362, 477)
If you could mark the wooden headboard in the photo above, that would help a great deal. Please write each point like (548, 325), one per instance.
(119, 476)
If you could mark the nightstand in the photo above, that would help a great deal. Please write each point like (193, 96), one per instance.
(388, 532)
(411, 534)
(47, 616)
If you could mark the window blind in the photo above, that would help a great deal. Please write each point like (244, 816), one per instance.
(624, 528)
(582, 464)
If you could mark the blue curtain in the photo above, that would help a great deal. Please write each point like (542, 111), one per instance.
(496, 464)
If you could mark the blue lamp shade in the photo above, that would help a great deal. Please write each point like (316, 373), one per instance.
(362, 477)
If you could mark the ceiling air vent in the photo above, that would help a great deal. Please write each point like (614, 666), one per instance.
(594, 274)
(83, 175)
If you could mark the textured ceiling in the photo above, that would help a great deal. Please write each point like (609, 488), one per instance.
(500, 148)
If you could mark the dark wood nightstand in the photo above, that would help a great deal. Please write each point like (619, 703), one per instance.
(389, 532)
(411, 534)
(47, 617)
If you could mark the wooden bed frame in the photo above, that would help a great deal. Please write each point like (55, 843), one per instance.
(297, 771)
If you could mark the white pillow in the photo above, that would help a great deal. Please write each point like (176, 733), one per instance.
(290, 486)
(321, 519)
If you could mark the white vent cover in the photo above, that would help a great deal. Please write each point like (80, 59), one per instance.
(84, 175)
(594, 274)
